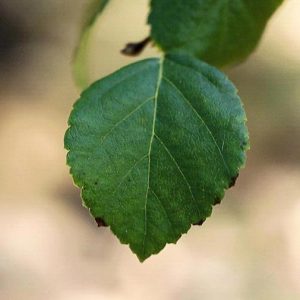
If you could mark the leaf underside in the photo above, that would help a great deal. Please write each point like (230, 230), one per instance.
(153, 147)
(220, 32)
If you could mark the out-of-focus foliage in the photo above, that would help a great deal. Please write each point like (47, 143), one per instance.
(216, 31)
(80, 64)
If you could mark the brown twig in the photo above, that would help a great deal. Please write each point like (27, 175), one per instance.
(133, 49)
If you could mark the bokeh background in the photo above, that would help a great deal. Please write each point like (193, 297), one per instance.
(50, 248)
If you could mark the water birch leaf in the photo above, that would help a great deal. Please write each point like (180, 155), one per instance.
(80, 64)
(153, 147)
(220, 32)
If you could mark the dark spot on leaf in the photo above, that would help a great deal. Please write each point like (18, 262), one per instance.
(233, 181)
(244, 144)
(101, 222)
(217, 201)
(200, 222)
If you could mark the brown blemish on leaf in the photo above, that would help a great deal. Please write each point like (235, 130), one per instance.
(233, 181)
(200, 222)
(100, 222)
(217, 201)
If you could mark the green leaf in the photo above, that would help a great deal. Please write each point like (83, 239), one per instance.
(80, 64)
(220, 32)
(154, 145)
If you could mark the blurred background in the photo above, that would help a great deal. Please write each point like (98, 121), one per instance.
(50, 248)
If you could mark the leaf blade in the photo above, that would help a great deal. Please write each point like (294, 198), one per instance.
(219, 32)
(148, 164)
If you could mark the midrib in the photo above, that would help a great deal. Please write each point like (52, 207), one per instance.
(159, 80)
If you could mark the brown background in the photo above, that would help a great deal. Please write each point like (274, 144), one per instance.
(50, 248)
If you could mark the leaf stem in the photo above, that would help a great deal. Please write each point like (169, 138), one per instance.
(134, 49)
